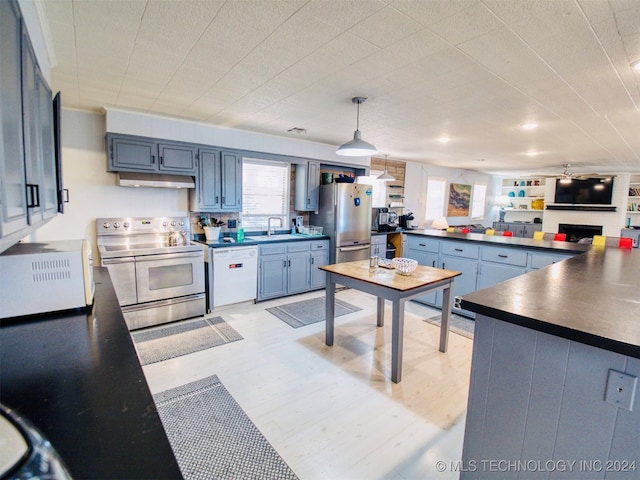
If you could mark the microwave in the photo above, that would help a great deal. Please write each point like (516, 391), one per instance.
(38, 277)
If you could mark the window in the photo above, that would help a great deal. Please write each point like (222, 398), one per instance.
(265, 193)
(435, 198)
(478, 197)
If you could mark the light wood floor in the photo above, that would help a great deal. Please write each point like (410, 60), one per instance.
(333, 412)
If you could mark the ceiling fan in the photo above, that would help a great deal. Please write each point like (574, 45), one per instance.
(566, 176)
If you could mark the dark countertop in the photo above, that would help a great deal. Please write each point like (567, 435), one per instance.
(201, 239)
(592, 298)
(75, 375)
(516, 242)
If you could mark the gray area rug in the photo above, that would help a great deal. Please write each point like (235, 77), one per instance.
(457, 324)
(212, 437)
(188, 336)
(306, 312)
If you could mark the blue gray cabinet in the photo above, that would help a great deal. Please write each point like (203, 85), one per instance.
(462, 257)
(519, 229)
(499, 264)
(218, 183)
(379, 245)
(291, 267)
(12, 159)
(427, 252)
(542, 259)
(28, 174)
(307, 186)
(130, 153)
(319, 258)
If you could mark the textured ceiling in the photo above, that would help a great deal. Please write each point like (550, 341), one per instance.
(472, 70)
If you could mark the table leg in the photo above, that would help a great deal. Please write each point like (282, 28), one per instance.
(380, 311)
(330, 306)
(397, 334)
(446, 313)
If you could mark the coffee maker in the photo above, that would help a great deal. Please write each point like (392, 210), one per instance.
(382, 220)
(405, 221)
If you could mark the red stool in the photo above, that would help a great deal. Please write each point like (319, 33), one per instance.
(464, 230)
(507, 233)
(560, 237)
(625, 243)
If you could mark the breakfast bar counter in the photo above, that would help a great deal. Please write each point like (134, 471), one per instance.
(387, 284)
(75, 375)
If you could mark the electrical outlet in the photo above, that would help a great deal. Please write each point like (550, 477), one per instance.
(298, 221)
(231, 223)
(621, 389)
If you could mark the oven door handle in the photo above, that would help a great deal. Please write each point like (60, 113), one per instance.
(354, 248)
(115, 261)
(169, 256)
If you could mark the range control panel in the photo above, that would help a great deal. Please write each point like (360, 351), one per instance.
(133, 225)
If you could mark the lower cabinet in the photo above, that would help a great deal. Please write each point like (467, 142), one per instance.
(481, 265)
(289, 268)
(519, 229)
(319, 258)
(499, 264)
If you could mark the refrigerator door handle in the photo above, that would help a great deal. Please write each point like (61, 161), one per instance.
(354, 248)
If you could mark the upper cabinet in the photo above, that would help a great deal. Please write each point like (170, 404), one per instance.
(28, 173)
(218, 182)
(127, 153)
(307, 186)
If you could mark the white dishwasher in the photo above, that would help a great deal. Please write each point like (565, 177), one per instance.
(235, 275)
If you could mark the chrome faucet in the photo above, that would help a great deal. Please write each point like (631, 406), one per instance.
(269, 232)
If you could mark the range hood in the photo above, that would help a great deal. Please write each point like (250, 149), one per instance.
(157, 180)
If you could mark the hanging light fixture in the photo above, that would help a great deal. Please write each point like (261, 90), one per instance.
(357, 147)
(385, 176)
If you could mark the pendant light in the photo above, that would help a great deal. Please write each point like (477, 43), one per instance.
(357, 147)
(385, 176)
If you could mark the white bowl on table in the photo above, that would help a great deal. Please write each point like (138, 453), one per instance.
(405, 266)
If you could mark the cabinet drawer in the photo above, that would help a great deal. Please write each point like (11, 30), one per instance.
(539, 260)
(277, 249)
(321, 245)
(459, 249)
(298, 247)
(423, 244)
(509, 256)
(379, 240)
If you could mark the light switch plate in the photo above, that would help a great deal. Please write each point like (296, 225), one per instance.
(298, 221)
(621, 389)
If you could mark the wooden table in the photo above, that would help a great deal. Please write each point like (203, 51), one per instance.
(386, 284)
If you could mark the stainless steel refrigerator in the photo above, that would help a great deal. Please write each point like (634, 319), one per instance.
(345, 214)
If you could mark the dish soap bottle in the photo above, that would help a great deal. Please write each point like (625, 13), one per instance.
(240, 235)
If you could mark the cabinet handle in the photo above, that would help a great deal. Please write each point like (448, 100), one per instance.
(433, 264)
(312, 260)
(422, 244)
(443, 266)
(33, 192)
(289, 263)
(153, 159)
(66, 195)
(285, 264)
(458, 249)
(503, 256)
(160, 160)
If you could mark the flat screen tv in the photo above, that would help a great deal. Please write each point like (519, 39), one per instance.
(585, 191)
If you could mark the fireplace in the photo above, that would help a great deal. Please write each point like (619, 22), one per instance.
(575, 233)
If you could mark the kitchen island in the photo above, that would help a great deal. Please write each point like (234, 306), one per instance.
(76, 376)
(556, 357)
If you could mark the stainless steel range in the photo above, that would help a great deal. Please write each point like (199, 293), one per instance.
(157, 273)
